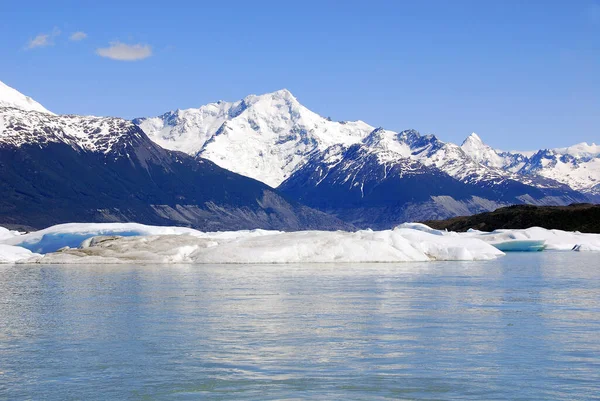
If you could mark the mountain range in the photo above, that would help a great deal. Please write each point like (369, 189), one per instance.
(370, 176)
(56, 169)
(264, 161)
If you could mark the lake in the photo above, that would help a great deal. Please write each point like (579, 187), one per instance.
(523, 327)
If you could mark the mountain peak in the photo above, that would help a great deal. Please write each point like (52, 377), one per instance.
(473, 139)
(582, 149)
(10, 97)
(283, 93)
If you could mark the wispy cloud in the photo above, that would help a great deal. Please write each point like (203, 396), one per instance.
(77, 36)
(124, 52)
(43, 39)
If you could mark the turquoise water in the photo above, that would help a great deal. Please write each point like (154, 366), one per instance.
(524, 327)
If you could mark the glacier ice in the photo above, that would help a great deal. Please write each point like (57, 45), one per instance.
(556, 240)
(12, 254)
(72, 234)
(521, 245)
(104, 243)
(137, 243)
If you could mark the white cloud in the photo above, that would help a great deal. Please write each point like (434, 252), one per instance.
(124, 52)
(43, 39)
(77, 36)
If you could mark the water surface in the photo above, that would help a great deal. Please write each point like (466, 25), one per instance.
(524, 327)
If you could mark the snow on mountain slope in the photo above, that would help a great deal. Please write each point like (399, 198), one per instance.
(486, 155)
(96, 134)
(578, 169)
(577, 166)
(452, 159)
(265, 137)
(270, 137)
(10, 97)
(581, 150)
(188, 130)
(374, 184)
(390, 178)
(71, 168)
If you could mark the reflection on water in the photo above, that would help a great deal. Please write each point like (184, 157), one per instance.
(522, 327)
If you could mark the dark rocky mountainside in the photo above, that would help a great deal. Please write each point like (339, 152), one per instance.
(379, 189)
(57, 169)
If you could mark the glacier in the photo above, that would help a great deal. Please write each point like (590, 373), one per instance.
(555, 240)
(137, 243)
(529, 239)
(117, 243)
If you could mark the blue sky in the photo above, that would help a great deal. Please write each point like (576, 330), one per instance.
(522, 74)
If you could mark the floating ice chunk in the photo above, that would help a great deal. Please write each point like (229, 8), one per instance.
(6, 233)
(73, 234)
(138, 243)
(521, 245)
(13, 254)
(556, 240)
(449, 247)
(422, 227)
(399, 245)
(296, 247)
(586, 248)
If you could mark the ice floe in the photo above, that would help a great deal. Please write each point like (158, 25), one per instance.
(138, 243)
(6, 234)
(556, 240)
(73, 234)
(12, 254)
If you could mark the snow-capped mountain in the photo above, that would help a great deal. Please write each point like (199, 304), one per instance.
(380, 188)
(577, 166)
(10, 97)
(94, 134)
(470, 166)
(276, 140)
(265, 137)
(390, 178)
(56, 169)
(271, 136)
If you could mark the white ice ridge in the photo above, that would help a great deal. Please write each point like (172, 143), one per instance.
(107, 243)
(73, 234)
(137, 243)
(13, 254)
(555, 240)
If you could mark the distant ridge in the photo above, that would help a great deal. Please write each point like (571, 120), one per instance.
(583, 217)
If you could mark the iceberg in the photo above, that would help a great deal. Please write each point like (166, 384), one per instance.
(72, 235)
(586, 248)
(13, 254)
(530, 239)
(7, 234)
(137, 243)
(556, 240)
(521, 245)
